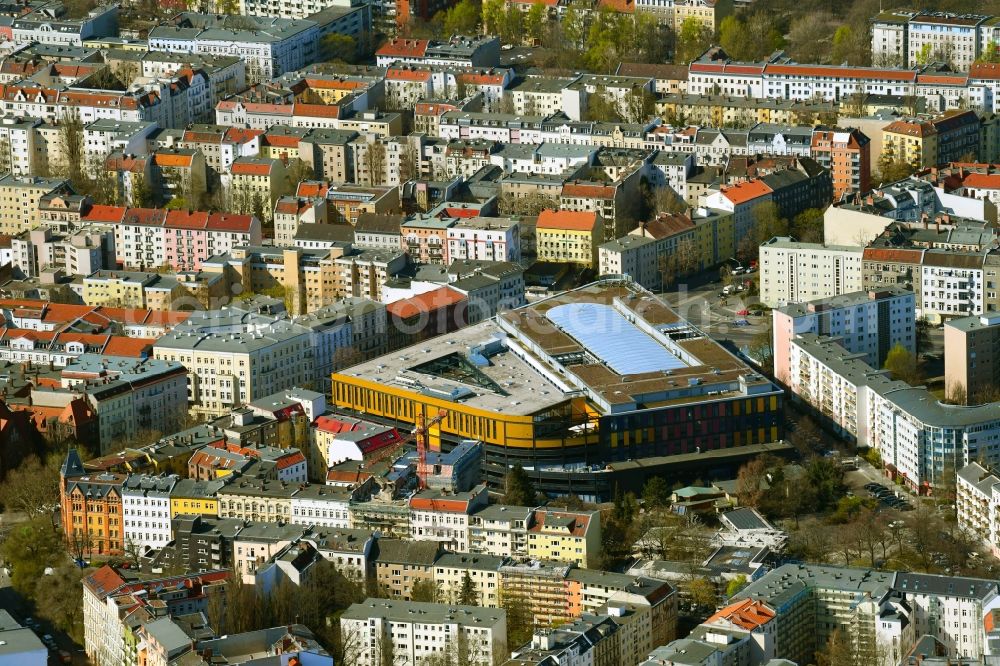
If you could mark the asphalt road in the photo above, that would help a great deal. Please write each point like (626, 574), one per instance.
(699, 302)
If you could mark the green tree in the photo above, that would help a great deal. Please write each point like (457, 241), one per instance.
(57, 599)
(425, 590)
(692, 40)
(843, 45)
(902, 365)
(735, 585)
(826, 477)
(520, 618)
(807, 227)
(892, 171)
(518, 488)
(32, 487)
(463, 18)
(29, 549)
(767, 223)
(703, 593)
(656, 493)
(574, 24)
(467, 594)
(492, 16)
(534, 22)
(512, 26)
(991, 54)
(336, 47)
(733, 37)
(924, 55)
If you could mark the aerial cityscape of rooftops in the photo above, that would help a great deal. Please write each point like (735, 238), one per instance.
(500, 333)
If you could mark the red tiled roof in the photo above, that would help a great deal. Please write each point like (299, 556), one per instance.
(825, 71)
(289, 459)
(413, 48)
(316, 110)
(437, 504)
(892, 255)
(587, 190)
(405, 74)
(100, 213)
(984, 70)
(239, 168)
(984, 181)
(173, 159)
(747, 614)
(312, 188)
(565, 219)
(133, 347)
(182, 219)
(242, 135)
(577, 522)
(427, 302)
(229, 222)
(746, 191)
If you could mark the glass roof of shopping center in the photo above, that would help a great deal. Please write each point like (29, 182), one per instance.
(612, 338)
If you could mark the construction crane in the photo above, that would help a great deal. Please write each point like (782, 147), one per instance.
(419, 433)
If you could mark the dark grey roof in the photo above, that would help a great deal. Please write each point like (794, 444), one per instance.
(398, 551)
(375, 223)
(337, 233)
(951, 586)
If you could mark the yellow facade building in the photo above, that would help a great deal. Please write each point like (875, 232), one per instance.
(569, 237)
(572, 387)
(191, 496)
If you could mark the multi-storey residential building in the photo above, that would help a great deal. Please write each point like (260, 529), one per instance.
(484, 238)
(464, 51)
(416, 630)
(921, 440)
(400, 563)
(976, 504)
(153, 238)
(971, 363)
(257, 500)
(793, 272)
(323, 506)
(425, 238)
(847, 154)
(237, 357)
(221, 145)
(670, 247)
(50, 24)
(146, 512)
(80, 252)
(565, 236)
(867, 323)
(91, 506)
(19, 201)
(129, 395)
(292, 212)
(271, 48)
(110, 594)
(911, 38)
(951, 137)
(444, 517)
(339, 438)
(195, 497)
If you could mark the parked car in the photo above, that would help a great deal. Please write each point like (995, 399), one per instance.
(741, 322)
(743, 313)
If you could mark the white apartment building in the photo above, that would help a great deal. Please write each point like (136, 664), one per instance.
(435, 516)
(273, 47)
(889, 36)
(484, 238)
(501, 530)
(128, 395)
(951, 285)
(919, 438)
(451, 569)
(793, 272)
(865, 323)
(236, 356)
(417, 630)
(322, 506)
(146, 511)
(977, 498)
(903, 38)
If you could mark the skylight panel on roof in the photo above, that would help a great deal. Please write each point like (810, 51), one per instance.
(612, 338)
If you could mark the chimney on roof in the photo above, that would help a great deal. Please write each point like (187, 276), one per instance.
(924, 218)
